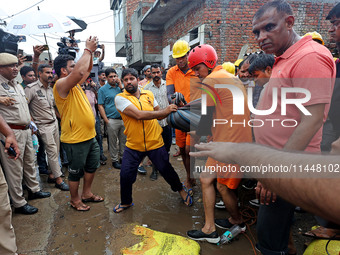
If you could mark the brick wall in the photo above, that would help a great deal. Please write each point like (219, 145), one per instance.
(230, 23)
(131, 6)
(152, 42)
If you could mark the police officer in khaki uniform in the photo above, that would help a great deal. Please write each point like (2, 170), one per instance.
(42, 108)
(14, 109)
(7, 237)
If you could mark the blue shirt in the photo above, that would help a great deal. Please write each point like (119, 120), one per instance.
(106, 97)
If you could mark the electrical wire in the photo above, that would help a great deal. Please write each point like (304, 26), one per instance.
(330, 239)
(327, 246)
(100, 19)
(24, 10)
(42, 42)
(94, 15)
(249, 216)
(48, 36)
(252, 245)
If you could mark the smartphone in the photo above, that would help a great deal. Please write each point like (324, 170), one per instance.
(20, 52)
(10, 150)
(45, 47)
(29, 58)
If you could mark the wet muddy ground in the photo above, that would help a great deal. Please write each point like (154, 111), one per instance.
(59, 229)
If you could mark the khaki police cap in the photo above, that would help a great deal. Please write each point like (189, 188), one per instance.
(7, 59)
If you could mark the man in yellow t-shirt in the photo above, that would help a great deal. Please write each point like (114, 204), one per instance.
(139, 111)
(77, 124)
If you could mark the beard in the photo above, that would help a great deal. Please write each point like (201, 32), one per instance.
(131, 89)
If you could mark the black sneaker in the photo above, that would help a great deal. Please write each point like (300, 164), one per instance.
(223, 223)
(249, 184)
(220, 205)
(154, 175)
(198, 235)
(254, 202)
(141, 170)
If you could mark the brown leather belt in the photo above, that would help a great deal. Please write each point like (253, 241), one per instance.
(21, 127)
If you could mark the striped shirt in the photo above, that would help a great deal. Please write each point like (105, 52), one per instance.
(160, 96)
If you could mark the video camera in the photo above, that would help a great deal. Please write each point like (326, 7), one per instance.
(8, 42)
(65, 49)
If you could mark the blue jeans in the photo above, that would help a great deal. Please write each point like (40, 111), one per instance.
(131, 159)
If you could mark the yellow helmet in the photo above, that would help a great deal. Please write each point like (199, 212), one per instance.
(180, 48)
(229, 67)
(315, 36)
(237, 62)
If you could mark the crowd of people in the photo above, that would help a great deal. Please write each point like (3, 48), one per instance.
(67, 107)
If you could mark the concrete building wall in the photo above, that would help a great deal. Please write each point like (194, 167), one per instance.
(137, 39)
(133, 5)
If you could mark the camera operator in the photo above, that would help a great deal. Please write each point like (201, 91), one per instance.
(97, 62)
(77, 124)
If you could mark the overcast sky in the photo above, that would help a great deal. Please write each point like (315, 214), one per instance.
(90, 11)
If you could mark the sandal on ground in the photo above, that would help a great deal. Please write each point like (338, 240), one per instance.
(94, 199)
(190, 191)
(123, 208)
(80, 206)
(186, 200)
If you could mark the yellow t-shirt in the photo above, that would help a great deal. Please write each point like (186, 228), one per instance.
(77, 119)
(141, 135)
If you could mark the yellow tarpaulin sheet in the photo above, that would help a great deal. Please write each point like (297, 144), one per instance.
(158, 243)
(318, 247)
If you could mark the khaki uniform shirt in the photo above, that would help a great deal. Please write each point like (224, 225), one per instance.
(41, 103)
(18, 113)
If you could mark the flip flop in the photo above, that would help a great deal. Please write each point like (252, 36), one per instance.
(93, 199)
(186, 200)
(190, 191)
(81, 208)
(122, 207)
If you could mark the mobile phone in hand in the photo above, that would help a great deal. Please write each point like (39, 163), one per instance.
(10, 151)
(29, 58)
